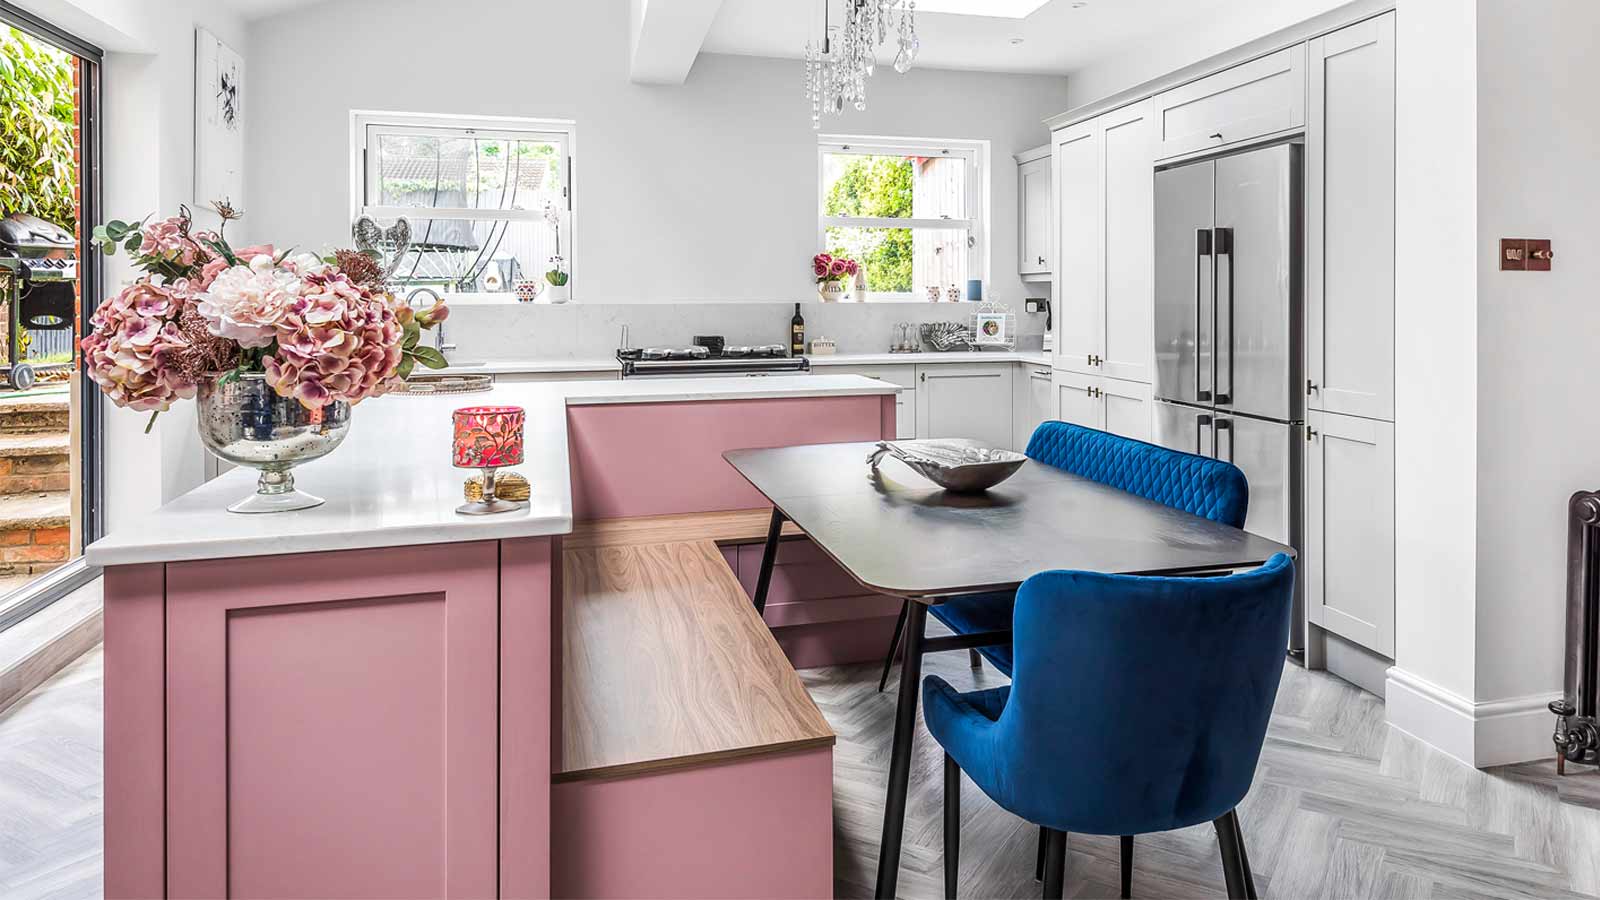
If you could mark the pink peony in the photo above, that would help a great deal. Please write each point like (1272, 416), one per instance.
(244, 303)
(850, 267)
(128, 354)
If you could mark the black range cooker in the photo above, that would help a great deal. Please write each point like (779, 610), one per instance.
(710, 362)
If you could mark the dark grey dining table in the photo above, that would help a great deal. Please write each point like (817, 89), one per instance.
(897, 533)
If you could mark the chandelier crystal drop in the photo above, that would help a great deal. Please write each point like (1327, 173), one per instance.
(837, 69)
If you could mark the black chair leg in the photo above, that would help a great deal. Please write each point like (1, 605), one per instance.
(1244, 859)
(894, 644)
(1038, 866)
(1055, 864)
(975, 660)
(952, 826)
(1235, 870)
(1127, 866)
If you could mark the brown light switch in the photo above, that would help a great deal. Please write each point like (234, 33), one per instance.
(1525, 255)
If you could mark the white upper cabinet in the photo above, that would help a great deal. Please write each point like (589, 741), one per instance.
(960, 400)
(1105, 206)
(1035, 231)
(1128, 149)
(1350, 238)
(1350, 544)
(1260, 97)
(1078, 305)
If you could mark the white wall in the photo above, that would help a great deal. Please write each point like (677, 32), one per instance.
(1538, 130)
(701, 192)
(1187, 43)
(148, 139)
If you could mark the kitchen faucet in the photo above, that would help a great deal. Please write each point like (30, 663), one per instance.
(438, 327)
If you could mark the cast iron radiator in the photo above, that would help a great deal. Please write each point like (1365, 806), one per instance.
(1577, 734)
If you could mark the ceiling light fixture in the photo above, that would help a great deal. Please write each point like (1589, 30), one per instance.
(838, 69)
(996, 9)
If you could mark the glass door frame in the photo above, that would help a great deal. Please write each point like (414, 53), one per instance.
(52, 586)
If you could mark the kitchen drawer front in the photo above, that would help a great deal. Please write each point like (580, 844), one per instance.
(1261, 97)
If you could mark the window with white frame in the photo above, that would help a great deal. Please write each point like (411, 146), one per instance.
(489, 201)
(910, 212)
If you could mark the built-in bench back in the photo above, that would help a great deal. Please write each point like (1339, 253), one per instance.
(1201, 485)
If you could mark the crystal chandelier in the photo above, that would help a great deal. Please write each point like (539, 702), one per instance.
(837, 69)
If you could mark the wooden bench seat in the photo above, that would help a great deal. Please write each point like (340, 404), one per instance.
(665, 663)
(740, 526)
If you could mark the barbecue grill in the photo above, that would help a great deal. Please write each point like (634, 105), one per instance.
(38, 265)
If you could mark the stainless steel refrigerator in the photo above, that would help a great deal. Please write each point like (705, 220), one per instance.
(1229, 368)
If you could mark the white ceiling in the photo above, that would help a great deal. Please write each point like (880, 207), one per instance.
(1061, 36)
(256, 9)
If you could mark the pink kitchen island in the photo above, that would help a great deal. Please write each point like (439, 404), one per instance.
(381, 698)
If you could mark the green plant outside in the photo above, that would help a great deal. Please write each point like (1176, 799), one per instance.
(37, 169)
(877, 186)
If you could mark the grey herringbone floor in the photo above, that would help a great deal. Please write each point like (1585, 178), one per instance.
(1341, 807)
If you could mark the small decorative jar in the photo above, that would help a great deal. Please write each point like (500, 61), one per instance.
(528, 291)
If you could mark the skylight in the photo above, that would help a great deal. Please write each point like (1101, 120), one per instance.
(998, 9)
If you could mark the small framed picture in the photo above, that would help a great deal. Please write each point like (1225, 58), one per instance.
(990, 328)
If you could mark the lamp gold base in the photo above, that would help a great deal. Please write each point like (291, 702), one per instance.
(489, 507)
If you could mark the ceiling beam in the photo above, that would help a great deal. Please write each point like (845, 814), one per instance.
(665, 36)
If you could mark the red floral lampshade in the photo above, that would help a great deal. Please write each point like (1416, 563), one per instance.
(488, 437)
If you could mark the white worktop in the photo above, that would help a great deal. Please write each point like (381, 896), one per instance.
(600, 364)
(392, 483)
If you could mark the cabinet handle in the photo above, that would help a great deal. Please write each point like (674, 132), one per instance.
(1311, 434)
(1041, 260)
(1217, 136)
(923, 376)
(1311, 387)
(1098, 393)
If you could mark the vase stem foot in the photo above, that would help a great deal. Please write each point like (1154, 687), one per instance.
(275, 492)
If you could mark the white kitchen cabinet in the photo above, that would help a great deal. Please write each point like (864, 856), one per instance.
(1108, 404)
(1033, 402)
(1078, 299)
(1126, 407)
(965, 400)
(1075, 398)
(1128, 254)
(1106, 217)
(1350, 208)
(1261, 97)
(905, 403)
(1034, 228)
(1350, 543)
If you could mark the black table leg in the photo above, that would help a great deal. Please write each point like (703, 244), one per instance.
(769, 557)
(905, 728)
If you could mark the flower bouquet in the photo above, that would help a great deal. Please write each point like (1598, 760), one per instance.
(833, 275)
(277, 346)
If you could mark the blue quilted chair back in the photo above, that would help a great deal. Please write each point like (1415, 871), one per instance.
(1138, 704)
(1206, 487)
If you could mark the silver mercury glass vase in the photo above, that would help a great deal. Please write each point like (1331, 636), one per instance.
(245, 422)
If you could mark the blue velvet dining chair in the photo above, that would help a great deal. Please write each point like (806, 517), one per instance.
(1071, 744)
(1207, 487)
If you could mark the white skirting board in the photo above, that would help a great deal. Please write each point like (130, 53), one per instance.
(1480, 734)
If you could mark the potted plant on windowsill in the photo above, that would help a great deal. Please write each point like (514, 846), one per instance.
(558, 276)
(834, 275)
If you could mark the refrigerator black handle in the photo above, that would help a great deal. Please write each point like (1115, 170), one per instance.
(1223, 426)
(1224, 248)
(1202, 244)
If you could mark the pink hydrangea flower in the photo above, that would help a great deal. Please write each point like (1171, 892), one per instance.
(127, 354)
(336, 342)
(165, 240)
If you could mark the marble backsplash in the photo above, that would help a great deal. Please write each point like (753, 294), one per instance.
(592, 331)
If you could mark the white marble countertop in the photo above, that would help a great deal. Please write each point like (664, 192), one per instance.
(391, 483)
(600, 364)
(929, 357)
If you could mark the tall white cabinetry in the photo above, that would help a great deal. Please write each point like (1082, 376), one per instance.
(1349, 335)
(1105, 204)
(1035, 225)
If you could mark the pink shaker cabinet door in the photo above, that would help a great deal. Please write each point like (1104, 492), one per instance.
(331, 724)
